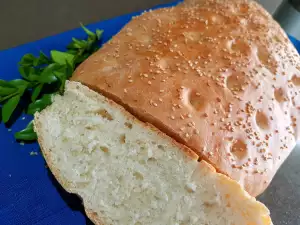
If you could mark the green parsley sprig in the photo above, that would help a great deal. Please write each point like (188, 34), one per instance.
(42, 77)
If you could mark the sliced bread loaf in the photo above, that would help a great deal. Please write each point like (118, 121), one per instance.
(219, 76)
(129, 173)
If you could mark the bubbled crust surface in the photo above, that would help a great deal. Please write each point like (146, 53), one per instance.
(220, 76)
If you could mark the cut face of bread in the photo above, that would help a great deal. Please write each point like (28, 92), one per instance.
(129, 173)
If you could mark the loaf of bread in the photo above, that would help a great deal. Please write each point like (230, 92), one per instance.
(129, 173)
(218, 76)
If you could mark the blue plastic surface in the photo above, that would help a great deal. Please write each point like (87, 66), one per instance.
(29, 195)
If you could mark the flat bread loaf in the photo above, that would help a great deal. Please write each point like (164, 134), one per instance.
(129, 173)
(219, 76)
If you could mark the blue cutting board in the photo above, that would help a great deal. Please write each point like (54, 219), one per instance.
(29, 194)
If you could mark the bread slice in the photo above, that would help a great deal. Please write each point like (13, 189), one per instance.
(128, 172)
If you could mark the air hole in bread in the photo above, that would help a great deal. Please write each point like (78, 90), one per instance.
(277, 39)
(89, 127)
(122, 139)
(239, 149)
(128, 125)
(263, 55)
(161, 147)
(138, 175)
(209, 204)
(239, 46)
(296, 80)
(262, 120)
(235, 82)
(104, 149)
(197, 101)
(105, 114)
(151, 159)
(280, 95)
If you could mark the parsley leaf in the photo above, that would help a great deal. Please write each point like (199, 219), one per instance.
(27, 134)
(9, 107)
(41, 74)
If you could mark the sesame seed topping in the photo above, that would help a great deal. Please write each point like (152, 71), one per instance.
(149, 82)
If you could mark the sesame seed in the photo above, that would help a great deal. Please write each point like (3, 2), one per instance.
(160, 100)
(125, 90)
(173, 117)
(189, 115)
(182, 117)
(161, 91)
(149, 82)
(130, 81)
